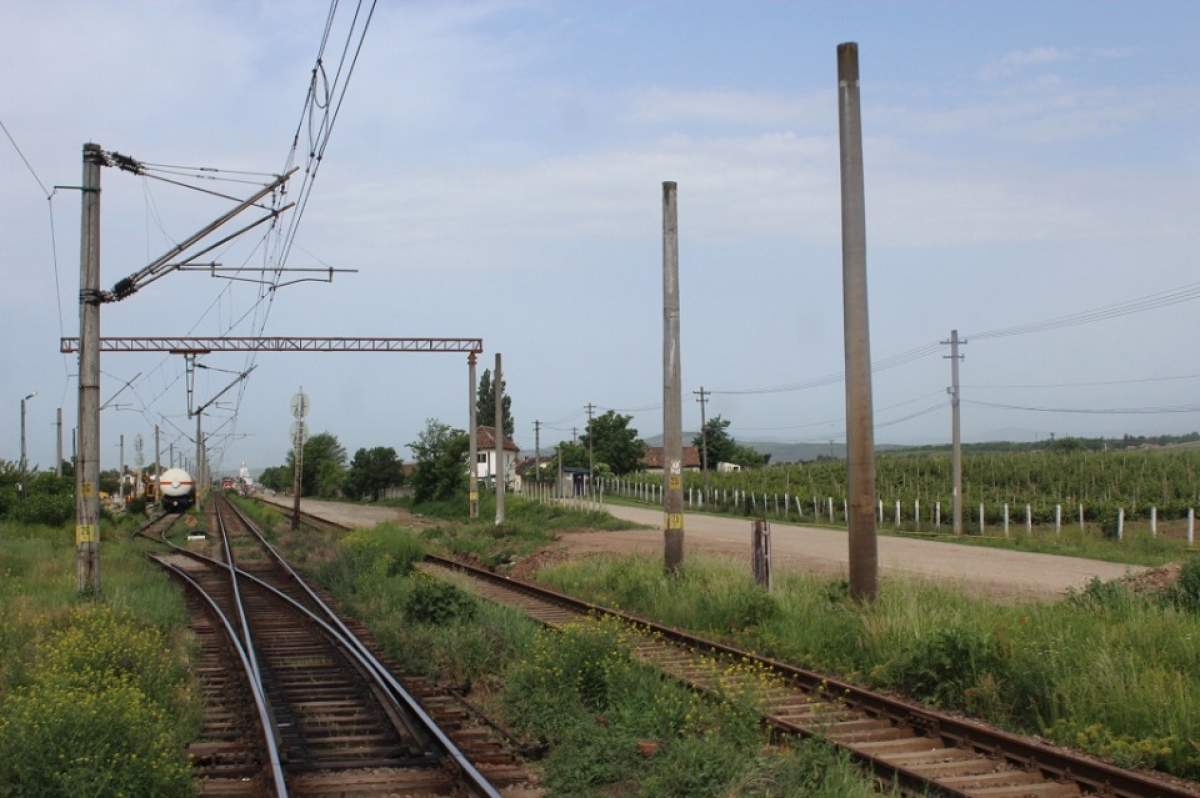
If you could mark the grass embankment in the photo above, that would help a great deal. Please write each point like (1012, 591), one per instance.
(95, 698)
(528, 526)
(1137, 548)
(1104, 670)
(579, 689)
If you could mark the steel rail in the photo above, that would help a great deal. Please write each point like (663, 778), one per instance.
(237, 597)
(475, 779)
(1091, 774)
(266, 723)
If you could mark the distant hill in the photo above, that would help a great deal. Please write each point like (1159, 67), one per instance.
(783, 452)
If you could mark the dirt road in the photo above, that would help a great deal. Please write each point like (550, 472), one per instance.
(347, 513)
(997, 572)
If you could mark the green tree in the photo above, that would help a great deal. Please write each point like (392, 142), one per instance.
(574, 455)
(372, 471)
(724, 448)
(324, 466)
(485, 405)
(751, 458)
(110, 481)
(615, 443)
(441, 458)
(278, 478)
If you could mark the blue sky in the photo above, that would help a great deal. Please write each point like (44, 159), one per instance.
(497, 170)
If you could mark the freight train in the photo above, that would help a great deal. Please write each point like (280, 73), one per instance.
(178, 490)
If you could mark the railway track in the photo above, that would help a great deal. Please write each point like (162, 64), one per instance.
(921, 750)
(331, 717)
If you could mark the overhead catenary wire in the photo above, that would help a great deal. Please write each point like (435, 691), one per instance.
(49, 196)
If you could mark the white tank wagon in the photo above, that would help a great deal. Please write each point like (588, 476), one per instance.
(177, 488)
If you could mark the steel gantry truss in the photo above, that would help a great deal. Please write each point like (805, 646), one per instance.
(203, 345)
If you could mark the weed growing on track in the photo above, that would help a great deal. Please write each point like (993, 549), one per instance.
(579, 689)
(1104, 669)
(617, 727)
(94, 696)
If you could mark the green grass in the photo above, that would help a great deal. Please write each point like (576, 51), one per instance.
(1105, 670)
(578, 690)
(1138, 547)
(95, 697)
(529, 526)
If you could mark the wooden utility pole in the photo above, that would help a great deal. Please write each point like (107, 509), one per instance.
(955, 430)
(473, 448)
(121, 471)
(590, 408)
(672, 390)
(860, 432)
(537, 452)
(702, 398)
(87, 471)
(58, 452)
(498, 437)
(297, 472)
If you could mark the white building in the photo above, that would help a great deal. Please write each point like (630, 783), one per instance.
(485, 458)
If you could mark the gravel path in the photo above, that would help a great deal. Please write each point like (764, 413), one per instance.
(996, 572)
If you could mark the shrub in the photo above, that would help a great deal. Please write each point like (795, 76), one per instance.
(51, 509)
(384, 551)
(433, 601)
(79, 740)
(1098, 594)
(1186, 591)
(948, 665)
(1123, 750)
(99, 646)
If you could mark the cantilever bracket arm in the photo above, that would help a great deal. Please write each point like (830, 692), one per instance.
(160, 265)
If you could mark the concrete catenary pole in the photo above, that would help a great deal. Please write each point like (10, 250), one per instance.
(860, 432)
(157, 463)
(198, 476)
(87, 472)
(672, 382)
(955, 432)
(58, 452)
(498, 392)
(23, 462)
(472, 453)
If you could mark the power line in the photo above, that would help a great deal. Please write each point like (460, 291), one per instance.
(1093, 384)
(1115, 411)
(1159, 299)
(836, 377)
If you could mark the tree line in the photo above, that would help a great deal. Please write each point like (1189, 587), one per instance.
(325, 471)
